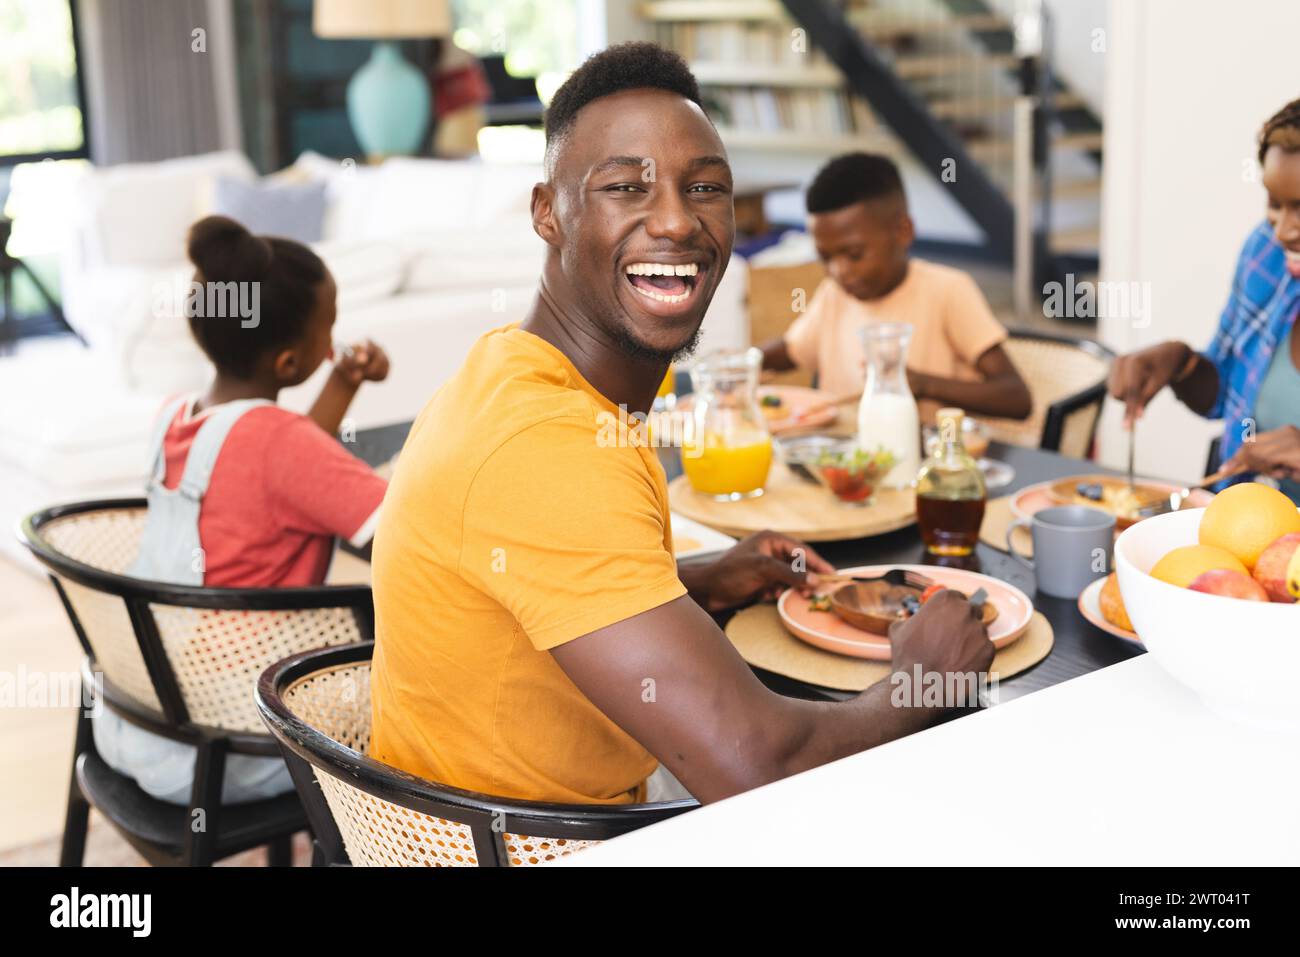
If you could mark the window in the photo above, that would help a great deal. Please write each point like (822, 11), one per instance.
(534, 36)
(41, 102)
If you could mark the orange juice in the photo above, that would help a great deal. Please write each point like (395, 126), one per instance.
(729, 470)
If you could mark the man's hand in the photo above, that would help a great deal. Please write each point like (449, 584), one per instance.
(1275, 453)
(1138, 376)
(760, 567)
(366, 362)
(945, 636)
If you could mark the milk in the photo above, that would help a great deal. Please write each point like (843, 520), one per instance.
(891, 419)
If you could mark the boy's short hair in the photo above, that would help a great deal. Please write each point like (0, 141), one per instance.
(853, 178)
(624, 66)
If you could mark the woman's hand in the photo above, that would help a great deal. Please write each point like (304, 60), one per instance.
(1275, 453)
(365, 362)
(1138, 376)
(759, 567)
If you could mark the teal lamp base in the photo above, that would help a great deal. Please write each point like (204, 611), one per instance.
(389, 104)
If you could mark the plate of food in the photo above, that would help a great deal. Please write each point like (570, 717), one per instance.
(1107, 492)
(819, 619)
(789, 407)
(1102, 605)
(691, 539)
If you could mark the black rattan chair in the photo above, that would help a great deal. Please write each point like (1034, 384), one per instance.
(365, 813)
(181, 662)
(1067, 382)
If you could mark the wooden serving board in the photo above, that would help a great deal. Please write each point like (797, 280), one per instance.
(795, 506)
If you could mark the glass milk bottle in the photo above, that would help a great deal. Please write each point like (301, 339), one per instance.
(728, 450)
(950, 492)
(887, 415)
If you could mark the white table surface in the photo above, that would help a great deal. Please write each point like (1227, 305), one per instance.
(1123, 766)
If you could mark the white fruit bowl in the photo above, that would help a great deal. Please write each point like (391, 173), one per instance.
(1241, 657)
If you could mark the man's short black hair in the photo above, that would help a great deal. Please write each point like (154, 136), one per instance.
(624, 66)
(853, 178)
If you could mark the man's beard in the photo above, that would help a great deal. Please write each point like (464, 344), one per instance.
(639, 350)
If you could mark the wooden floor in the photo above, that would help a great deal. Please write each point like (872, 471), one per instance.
(36, 639)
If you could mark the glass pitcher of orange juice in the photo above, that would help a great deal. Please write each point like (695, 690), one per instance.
(728, 450)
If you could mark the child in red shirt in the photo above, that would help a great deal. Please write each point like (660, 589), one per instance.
(244, 493)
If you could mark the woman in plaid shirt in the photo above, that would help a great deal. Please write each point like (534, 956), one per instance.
(1250, 374)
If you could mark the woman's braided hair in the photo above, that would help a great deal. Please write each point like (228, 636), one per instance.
(1282, 129)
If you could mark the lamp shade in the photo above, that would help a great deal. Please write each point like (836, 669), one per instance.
(381, 19)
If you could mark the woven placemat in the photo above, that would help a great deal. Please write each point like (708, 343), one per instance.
(763, 642)
(997, 519)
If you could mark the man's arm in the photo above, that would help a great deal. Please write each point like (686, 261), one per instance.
(672, 680)
(1001, 392)
(762, 566)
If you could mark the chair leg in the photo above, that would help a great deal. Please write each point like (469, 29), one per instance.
(75, 824)
(76, 820)
(205, 804)
(279, 853)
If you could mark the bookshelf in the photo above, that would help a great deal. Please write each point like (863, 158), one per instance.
(763, 91)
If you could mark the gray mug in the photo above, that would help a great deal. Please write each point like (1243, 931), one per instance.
(1072, 548)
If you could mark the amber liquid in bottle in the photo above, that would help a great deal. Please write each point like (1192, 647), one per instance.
(950, 492)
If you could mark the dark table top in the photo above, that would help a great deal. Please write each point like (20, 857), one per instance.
(1079, 647)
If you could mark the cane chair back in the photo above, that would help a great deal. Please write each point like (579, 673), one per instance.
(318, 706)
(1067, 383)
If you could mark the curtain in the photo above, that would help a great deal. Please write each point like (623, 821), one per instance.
(156, 88)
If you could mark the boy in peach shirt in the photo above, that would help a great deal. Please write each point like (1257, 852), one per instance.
(858, 218)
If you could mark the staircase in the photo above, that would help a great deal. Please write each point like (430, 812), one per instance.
(943, 76)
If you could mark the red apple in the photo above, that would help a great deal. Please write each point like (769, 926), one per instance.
(1274, 562)
(1229, 583)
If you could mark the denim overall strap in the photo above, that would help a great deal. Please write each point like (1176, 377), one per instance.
(157, 454)
(170, 548)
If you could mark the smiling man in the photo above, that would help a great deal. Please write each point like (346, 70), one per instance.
(535, 638)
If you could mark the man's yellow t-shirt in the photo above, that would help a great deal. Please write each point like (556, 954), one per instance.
(512, 525)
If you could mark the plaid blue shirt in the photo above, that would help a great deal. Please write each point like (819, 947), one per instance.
(1261, 307)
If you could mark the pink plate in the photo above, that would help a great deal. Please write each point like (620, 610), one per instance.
(1090, 608)
(826, 630)
(1035, 498)
(794, 399)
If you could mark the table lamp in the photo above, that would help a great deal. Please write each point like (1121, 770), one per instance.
(388, 99)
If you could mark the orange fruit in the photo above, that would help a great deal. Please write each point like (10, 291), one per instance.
(1184, 565)
(1245, 519)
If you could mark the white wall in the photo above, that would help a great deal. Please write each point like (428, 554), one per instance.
(1188, 85)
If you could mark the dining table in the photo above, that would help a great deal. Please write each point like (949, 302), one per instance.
(1079, 647)
(1094, 756)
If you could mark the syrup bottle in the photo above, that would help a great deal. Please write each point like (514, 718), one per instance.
(950, 492)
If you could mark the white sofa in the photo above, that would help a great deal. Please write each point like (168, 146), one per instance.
(428, 255)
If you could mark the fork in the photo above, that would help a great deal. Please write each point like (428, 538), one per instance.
(1176, 499)
(895, 576)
